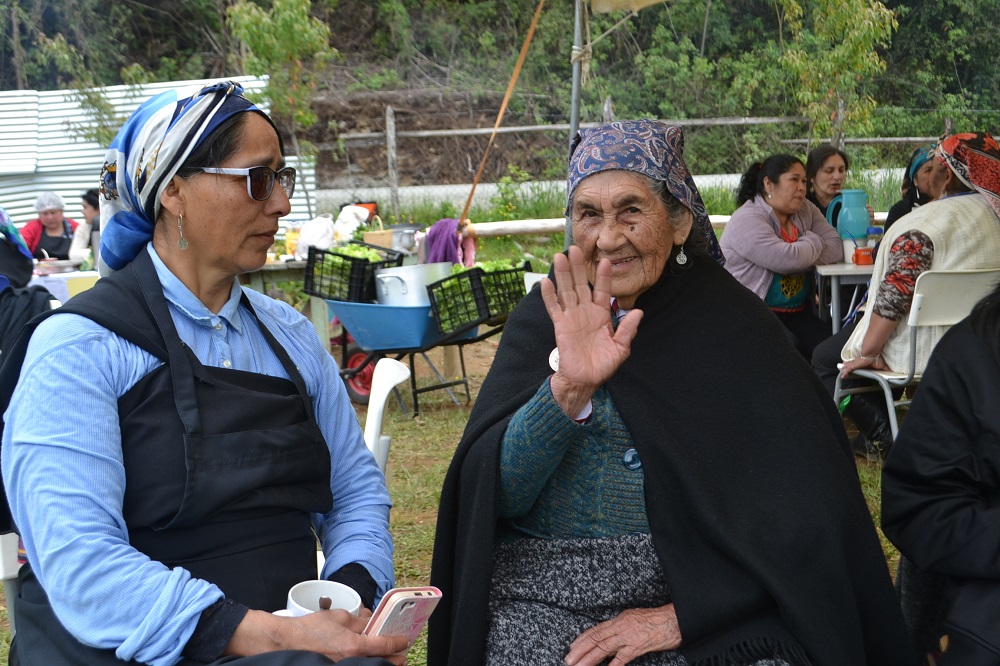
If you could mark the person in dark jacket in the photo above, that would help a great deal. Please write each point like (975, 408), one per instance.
(940, 485)
(916, 188)
(603, 504)
(18, 302)
(16, 264)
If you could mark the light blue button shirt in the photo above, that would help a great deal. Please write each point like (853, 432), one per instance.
(65, 480)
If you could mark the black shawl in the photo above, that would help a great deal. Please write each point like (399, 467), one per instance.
(17, 306)
(751, 491)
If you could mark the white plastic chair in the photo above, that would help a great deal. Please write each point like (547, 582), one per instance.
(388, 374)
(940, 298)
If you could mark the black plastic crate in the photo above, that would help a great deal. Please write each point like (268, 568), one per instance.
(503, 290)
(340, 277)
(475, 296)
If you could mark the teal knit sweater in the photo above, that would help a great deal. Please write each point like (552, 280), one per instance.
(560, 479)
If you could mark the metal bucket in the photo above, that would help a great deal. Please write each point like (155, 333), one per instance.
(407, 285)
(403, 236)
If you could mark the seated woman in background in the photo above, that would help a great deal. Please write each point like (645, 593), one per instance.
(939, 486)
(916, 185)
(826, 170)
(50, 235)
(774, 239)
(608, 502)
(960, 229)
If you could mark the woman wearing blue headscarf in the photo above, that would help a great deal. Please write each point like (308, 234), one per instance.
(916, 186)
(202, 439)
(675, 489)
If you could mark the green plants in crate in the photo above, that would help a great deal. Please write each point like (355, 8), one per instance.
(486, 292)
(347, 273)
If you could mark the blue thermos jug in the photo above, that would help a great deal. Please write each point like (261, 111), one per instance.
(848, 213)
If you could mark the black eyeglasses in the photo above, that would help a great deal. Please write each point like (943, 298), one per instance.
(260, 179)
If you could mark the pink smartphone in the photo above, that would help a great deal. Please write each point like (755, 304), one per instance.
(403, 611)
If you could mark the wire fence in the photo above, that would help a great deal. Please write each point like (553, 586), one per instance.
(721, 147)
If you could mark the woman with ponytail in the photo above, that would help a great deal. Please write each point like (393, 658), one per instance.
(773, 241)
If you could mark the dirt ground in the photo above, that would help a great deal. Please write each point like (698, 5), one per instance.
(478, 359)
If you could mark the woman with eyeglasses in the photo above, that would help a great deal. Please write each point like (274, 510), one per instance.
(204, 440)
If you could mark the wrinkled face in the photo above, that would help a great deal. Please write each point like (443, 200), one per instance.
(787, 195)
(52, 220)
(224, 227)
(829, 180)
(617, 217)
(922, 178)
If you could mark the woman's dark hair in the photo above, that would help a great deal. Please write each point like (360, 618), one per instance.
(752, 181)
(91, 198)
(215, 148)
(818, 156)
(696, 243)
(220, 144)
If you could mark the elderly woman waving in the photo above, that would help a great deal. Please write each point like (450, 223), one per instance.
(628, 492)
(205, 438)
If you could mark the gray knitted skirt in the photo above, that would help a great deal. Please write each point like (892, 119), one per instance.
(546, 592)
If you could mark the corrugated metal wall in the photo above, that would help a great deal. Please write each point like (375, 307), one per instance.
(39, 152)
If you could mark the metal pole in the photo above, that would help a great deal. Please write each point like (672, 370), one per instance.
(574, 115)
(390, 152)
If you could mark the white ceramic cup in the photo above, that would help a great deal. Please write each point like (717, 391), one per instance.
(303, 598)
(848, 250)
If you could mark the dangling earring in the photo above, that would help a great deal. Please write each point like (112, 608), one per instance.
(681, 258)
(182, 243)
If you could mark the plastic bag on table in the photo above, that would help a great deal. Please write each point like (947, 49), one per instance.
(350, 218)
(79, 249)
(317, 232)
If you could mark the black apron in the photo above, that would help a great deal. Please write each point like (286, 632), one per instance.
(223, 468)
(56, 247)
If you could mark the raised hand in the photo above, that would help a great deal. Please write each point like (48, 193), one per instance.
(590, 350)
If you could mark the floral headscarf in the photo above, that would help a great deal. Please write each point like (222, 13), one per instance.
(148, 151)
(975, 158)
(649, 147)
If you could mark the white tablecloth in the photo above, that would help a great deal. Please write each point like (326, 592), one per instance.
(66, 285)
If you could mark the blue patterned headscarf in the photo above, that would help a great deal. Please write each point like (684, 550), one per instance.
(649, 147)
(148, 151)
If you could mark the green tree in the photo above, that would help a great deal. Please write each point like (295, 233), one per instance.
(289, 46)
(941, 49)
(834, 58)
